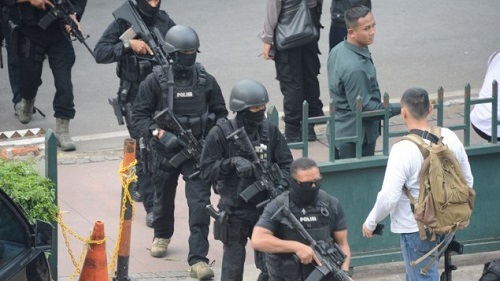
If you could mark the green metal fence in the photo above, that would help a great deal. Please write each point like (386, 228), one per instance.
(357, 181)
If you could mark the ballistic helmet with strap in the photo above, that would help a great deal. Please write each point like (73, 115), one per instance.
(247, 93)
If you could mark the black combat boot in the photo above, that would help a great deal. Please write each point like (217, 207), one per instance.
(311, 134)
(292, 133)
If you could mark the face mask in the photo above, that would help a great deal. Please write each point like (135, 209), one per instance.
(184, 63)
(147, 12)
(303, 193)
(252, 120)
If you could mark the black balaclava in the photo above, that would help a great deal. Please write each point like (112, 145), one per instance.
(148, 13)
(183, 63)
(303, 196)
(250, 120)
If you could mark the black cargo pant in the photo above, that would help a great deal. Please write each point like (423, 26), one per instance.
(197, 195)
(144, 181)
(297, 70)
(11, 14)
(241, 223)
(61, 56)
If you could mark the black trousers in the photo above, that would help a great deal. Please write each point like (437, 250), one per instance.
(297, 70)
(337, 34)
(61, 56)
(12, 59)
(198, 196)
(482, 134)
(144, 181)
(348, 150)
(233, 259)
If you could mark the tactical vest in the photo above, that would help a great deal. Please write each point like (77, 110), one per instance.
(31, 15)
(134, 68)
(316, 220)
(231, 187)
(189, 102)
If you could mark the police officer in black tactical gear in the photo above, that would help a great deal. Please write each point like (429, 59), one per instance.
(197, 102)
(134, 63)
(230, 168)
(321, 215)
(9, 23)
(43, 35)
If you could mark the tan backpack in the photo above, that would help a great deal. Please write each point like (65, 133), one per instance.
(445, 201)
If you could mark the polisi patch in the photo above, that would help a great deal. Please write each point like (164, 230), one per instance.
(308, 219)
(184, 95)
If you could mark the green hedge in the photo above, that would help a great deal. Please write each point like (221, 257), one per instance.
(33, 192)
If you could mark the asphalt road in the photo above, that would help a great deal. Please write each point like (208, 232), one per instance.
(418, 43)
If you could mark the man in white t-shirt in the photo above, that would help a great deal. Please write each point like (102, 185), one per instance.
(403, 168)
(480, 116)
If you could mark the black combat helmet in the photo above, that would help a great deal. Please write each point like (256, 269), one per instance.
(246, 93)
(182, 38)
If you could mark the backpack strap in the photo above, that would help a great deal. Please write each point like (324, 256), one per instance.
(424, 149)
(164, 77)
(431, 136)
(443, 245)
(228, 126)
(421, 226)
(436, 131)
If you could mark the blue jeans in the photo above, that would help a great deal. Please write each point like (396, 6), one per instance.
(413, 248)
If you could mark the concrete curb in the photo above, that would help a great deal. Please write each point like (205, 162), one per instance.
(25, 144)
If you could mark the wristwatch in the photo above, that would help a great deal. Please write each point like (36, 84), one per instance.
(155, 132)
(126, 45)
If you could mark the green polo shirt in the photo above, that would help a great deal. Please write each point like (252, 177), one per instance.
(351, 73)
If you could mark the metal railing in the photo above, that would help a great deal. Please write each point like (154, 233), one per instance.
(385, 114)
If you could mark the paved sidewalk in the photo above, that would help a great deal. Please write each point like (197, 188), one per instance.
(89, 190)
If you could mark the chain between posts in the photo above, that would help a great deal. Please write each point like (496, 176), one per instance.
(127, 176)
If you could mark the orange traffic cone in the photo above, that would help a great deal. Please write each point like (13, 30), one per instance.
(95, 267)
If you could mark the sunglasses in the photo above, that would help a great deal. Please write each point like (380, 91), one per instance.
(309, 184)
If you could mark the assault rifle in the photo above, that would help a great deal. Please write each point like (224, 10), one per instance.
(192, 149)
(62, 9)
(138, 29)
(456, 247)
(267, 176)
(331, 258)
(128, 12)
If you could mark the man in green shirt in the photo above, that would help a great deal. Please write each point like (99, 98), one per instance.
(351, 73)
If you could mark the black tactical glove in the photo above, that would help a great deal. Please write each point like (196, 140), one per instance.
(170, 141)
(243, 167)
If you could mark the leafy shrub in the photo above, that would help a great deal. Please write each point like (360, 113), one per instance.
(32, 191)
